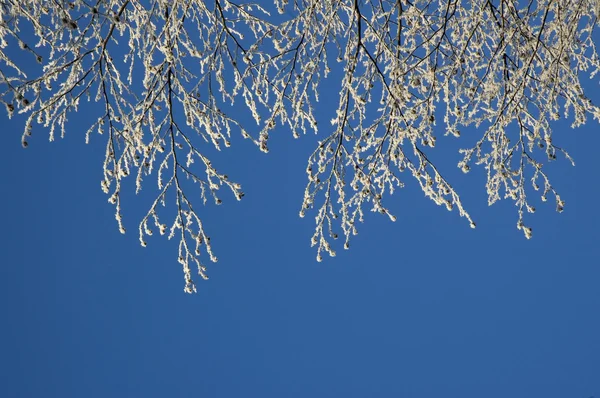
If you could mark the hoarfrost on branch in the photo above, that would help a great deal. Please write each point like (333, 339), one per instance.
(164, 74)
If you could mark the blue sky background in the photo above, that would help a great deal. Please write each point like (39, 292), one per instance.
(424, 307)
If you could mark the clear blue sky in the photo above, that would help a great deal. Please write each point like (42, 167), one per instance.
(424, 307)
